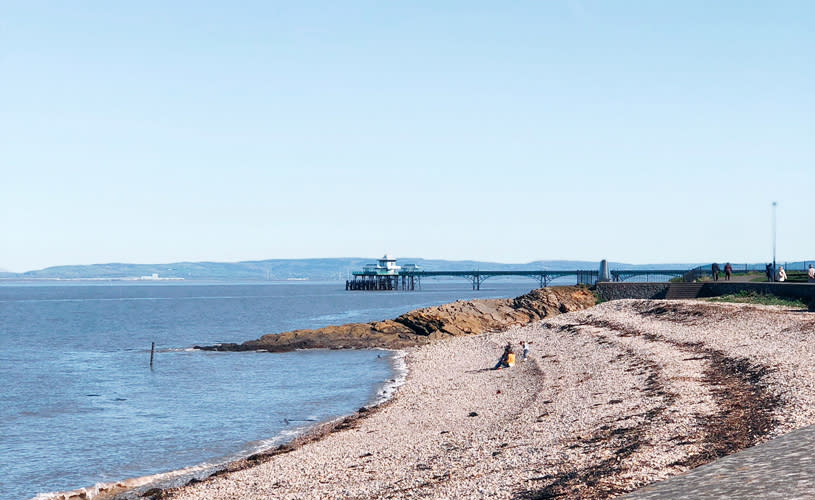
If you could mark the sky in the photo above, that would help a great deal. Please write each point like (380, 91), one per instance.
(633, 131)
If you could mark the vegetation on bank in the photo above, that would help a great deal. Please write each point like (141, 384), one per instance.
(750, 297)
(797, 276)
(752, 276)
(792, 276)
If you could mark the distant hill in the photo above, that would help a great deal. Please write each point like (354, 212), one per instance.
(314, 269)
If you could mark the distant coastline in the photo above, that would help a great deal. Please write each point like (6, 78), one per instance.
(323, 269)
(129, 279)
(327, 269)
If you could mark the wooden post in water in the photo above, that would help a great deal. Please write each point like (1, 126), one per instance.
(152, 350)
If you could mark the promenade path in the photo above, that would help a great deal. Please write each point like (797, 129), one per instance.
(781, 468)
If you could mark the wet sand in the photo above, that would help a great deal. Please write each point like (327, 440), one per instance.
(612, 398)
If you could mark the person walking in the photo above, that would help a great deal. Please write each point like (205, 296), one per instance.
(715, 271)
(728, 271)
(768, 270)
(811, 274)
(525, 347)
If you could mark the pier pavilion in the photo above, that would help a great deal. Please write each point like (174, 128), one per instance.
(384, 275)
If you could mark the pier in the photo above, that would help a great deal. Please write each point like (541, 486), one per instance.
(386, 275)
(410, 280)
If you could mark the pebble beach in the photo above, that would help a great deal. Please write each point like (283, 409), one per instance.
(612, 398)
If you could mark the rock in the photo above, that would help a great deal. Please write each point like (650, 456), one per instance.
(426, 325)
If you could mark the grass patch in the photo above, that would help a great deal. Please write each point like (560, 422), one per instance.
(797, 276)
(739, 276)
(752, 276)
(759, 298)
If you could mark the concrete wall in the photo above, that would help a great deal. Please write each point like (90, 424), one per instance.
(805, 291)
(616, 291)
(609, 290)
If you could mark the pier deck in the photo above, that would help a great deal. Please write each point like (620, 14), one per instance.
(410, 280)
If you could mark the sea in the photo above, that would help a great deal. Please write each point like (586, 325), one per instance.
(82, 405)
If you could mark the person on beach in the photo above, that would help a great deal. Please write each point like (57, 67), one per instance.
(525, 347)
(728, 271)
(715, 271)
(782, 275)
(507, 358)
(811, 274)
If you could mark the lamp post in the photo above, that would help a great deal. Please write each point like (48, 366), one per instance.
(774, 205)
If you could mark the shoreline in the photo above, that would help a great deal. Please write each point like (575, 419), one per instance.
(614, 398)
(146, 486)
(418, 327)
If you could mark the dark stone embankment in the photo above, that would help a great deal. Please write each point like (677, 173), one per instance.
(804, 292)
(426, 325)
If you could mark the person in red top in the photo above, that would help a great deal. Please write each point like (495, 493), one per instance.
(728, 271)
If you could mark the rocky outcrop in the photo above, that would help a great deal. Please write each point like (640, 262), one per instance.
(426, 325)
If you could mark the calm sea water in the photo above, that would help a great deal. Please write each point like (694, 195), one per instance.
(81, 405)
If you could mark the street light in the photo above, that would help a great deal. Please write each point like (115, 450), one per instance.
(773, 276)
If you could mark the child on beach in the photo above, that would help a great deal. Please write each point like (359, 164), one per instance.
(525, 347)
(507, 358)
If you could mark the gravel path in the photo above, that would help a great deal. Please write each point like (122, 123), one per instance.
(613, 398)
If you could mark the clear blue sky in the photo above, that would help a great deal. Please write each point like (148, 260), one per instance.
(637, 131)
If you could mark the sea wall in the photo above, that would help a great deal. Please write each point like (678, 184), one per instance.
(426, 325)
(796, 291)
(787, 290)
(615, 291)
